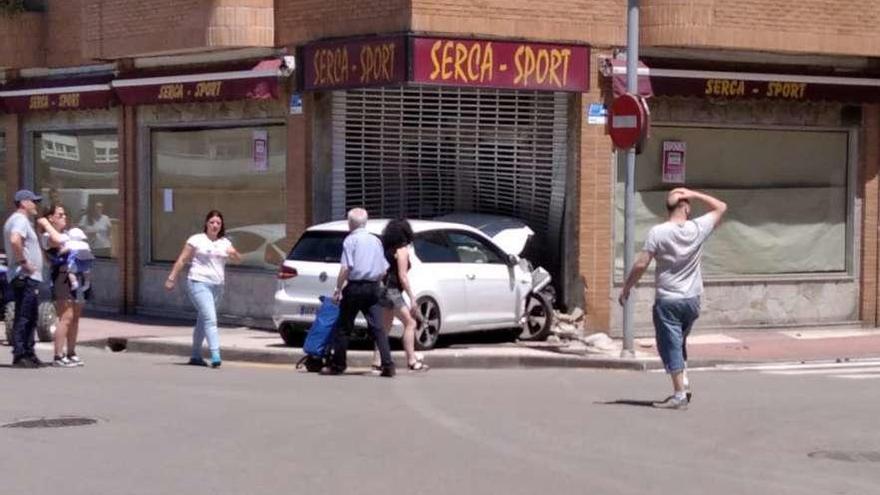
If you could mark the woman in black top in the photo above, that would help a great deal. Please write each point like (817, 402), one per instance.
(396, 238)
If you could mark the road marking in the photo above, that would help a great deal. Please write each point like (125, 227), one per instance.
(828, 334)
(865, 369)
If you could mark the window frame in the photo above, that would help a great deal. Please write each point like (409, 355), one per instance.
(853, 206)
(145, 178)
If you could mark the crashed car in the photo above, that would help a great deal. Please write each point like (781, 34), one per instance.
(462, 279)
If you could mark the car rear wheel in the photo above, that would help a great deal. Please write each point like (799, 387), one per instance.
(47, 319)
(292, 334)
(428, 329)
(538, 318)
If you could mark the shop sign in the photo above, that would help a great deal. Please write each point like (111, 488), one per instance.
(778, 90)
(354, 64)
(500, 64)
(673, 162)
(55, 99)
(179, 90)
(261, 150)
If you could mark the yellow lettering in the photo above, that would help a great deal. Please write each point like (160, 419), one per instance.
(331, 66)
(555, 63)
(171, 92)
(208, 89)
(68, 100)
(473, 65)
(434, 60)
(488, 65)
(447, 59)
(461, 54)
(39, 102)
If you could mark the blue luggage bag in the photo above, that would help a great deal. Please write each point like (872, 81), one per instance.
(316, 346)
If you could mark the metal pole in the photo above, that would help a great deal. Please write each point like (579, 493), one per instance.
(632, 86)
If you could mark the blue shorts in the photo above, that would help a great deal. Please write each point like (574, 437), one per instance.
(673, 319)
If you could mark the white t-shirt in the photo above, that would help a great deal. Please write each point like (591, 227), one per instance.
(209, 258)
(678, 250)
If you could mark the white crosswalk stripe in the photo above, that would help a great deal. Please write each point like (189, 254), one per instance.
(856, 369)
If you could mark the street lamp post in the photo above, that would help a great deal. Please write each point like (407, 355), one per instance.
(632, 87)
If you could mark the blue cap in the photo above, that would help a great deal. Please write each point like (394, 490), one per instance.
(27, 194)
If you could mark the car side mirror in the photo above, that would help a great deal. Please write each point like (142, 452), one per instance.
(512, 260)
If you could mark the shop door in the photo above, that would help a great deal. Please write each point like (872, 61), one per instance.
(421, 152)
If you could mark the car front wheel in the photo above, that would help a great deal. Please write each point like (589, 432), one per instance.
(538, 321)
(428, 329)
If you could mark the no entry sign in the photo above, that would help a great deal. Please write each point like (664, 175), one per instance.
(628, 122)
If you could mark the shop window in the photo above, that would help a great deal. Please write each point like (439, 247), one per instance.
(195, 171)
(786, 191)
(69, 169)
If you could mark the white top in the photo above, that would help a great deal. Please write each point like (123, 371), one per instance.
(98, 231)
(678, 250)
(209, 258)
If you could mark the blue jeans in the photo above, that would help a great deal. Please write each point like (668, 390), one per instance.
(26, 293)
(673, 320)
(205, 298)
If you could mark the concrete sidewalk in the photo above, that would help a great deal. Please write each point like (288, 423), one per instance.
(150, 335)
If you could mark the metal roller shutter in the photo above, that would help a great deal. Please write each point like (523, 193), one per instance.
(420, 152)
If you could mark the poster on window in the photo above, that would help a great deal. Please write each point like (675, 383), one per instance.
(673, 162)
(261, 151)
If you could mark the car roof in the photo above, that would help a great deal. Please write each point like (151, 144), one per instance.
(376, 226)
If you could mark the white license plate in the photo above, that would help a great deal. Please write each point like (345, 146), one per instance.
(308, 310)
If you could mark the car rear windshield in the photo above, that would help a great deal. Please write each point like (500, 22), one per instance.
(318, 246)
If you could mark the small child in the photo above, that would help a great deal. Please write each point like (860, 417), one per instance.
(78, 257)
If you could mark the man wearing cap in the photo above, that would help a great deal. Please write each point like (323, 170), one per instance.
(25, 275)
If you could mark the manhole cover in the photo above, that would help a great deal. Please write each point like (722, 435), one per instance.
(52, 422)
(846, 455)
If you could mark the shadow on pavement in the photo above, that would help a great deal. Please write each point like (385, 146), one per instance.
(627, 402)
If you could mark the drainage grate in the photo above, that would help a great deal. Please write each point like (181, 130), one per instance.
(61, 422)
(846, 456)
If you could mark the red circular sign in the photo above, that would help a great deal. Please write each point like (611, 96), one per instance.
(629, 120)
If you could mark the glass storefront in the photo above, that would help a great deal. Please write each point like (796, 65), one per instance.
(786, 190)
(80, 170)
(238, 171)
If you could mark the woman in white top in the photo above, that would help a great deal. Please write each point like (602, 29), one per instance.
(208, 253)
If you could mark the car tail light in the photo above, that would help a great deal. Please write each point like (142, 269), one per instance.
(286, 272)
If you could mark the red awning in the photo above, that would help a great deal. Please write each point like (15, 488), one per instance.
(256, 81)
(729, 86)
(616, 70)
(54, 94)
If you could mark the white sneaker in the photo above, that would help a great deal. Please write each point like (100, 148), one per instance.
(76, 360)
(62, 362)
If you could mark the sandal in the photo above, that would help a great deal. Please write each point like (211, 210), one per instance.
(418, 367)
(375, 370)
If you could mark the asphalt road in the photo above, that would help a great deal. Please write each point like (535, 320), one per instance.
(166, 428)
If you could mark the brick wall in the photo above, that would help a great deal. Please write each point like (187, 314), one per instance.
(805, 26)
(64, 33)
(298, 21)
(125, 28)
(868, 191)
(21, 40)
(599, 22)
(596, 237)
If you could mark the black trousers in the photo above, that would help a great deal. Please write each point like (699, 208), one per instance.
(26, 293)
(359, 297)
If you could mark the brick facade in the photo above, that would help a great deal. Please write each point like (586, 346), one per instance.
(838, 27)
(299, 21)
(22, 40)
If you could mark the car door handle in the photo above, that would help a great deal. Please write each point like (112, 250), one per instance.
(470, 276)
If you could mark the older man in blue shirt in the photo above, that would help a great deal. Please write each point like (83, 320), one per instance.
(359, 288)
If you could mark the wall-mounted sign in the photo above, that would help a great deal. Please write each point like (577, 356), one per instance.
(500, 64)
(261, 150)
(57, 98)
(397, 60)
(296, 104)
(673, 162)
(354, 63)
(597, 114)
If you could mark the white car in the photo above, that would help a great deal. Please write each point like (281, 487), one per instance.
(462, 280)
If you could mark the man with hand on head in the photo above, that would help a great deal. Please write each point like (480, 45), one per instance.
(677, 245)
